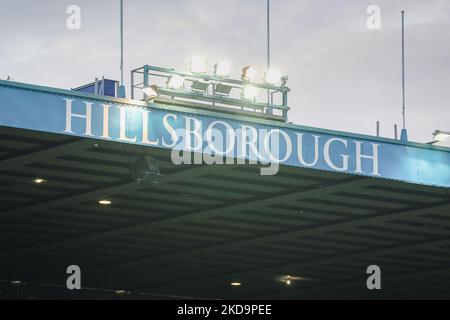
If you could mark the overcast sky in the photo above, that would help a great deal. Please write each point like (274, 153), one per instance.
(342, 75)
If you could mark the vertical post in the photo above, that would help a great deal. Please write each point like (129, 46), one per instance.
(121, 91)
(269, 110)
(395, 131)
(403, 68)
(102, 86)
(145, 79)
(285, 103)
(268, 34)
(403, 133)
(96, 86)
(378, 128)
(121, 42)
(132, 84)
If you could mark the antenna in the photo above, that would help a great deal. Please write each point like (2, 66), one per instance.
(268, 34)
(404, 133)
(121, 42)
(121, 93)
(269, 110)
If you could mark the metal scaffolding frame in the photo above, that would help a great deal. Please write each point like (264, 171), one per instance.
(210, 97)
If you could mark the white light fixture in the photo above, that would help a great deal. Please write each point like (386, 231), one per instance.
(249, 92)
(198, 64)
(290, 279)
(272, 76)
(104, 202)
(222, 89)
(151, 92)
(235, 284)
(439, 135)
(39, 180)
(222, 69)
(175, 82)
(200, 86)
(121, 292)
(248, 73)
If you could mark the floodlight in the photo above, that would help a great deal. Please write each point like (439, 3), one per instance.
(248, 73)
(249, 92)
(198, 64)
(175, 82)
(439, 135)
(222, 69)
(222, 89)
(272, 76)
(151, 92)
(200, 86)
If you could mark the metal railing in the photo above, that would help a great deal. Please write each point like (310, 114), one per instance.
(212, 92)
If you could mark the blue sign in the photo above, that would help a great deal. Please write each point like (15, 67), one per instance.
(218, 135)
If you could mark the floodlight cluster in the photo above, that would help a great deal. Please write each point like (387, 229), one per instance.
(221, 70)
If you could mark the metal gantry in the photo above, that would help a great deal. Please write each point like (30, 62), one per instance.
(212, 92)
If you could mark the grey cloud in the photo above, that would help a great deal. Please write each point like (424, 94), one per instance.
(342, 75)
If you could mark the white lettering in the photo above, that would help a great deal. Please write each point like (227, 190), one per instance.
(145, 130)
(122, 125)
(106, 121)
(374, 157)
(87, 116)
(170, 129)
(230, 137)
(195, 131)
(276, 145)
(326, 153)
(300, 150)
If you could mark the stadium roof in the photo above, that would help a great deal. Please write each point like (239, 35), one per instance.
(197, 228)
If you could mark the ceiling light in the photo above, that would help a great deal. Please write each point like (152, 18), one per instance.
(249, 92)
(104, 202)
(222, 69)
(248, 73)
(235, 284)
(288, 279)
(150, 92)
(198, 64)
(121, 292)
(39, 180)
(272, 76)
(175, 82)
(439, 135)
